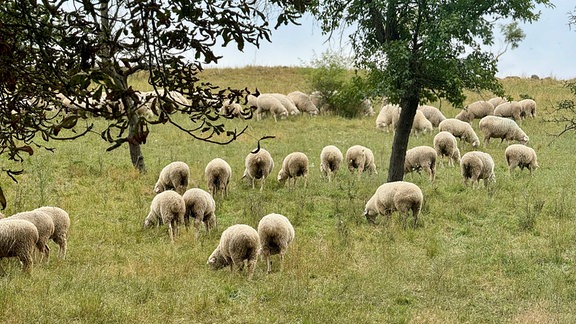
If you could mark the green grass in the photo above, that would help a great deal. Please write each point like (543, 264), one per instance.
(504, 254)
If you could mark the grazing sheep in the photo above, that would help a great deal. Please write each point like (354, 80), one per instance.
(61, 221)
(522, 156)
(18, 239)
(303, 102)
(287, 103)
(231, 109)
(218, 174)
(174, 176)
(399, 196)
(259, 165)
(503, 128)
(420, 124)
(200, 205)
(387, 117)
(168, 208)
(446, 146)
(330, 160)
(294, 165)
(476, 165)
(497, 100)
(475, 110)
(460, 129)
(44, 225)
(421, 158)
(239, 244)
(528, 108)
(360, 158)
(511, 109)
(269, 103)
(433, 114)
(276, 233)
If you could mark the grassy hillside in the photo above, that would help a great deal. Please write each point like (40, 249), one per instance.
(503, 254)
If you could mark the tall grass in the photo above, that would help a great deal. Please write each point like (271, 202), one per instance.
(504, 254)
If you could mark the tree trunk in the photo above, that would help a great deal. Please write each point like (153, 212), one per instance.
(134, 140)
(409, 104)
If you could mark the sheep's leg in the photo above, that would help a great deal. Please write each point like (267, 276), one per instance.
(268, 263)
(251, 268)
(62, 244)
(197, 222)
(170, 232)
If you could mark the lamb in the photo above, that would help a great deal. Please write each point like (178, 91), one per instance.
(511, 109)
(528, 107)
(259, 165)
(420, 124)
(497, 100)
(276, 233)
(294, 165)
(168, 208)
(268, 103)
(174, 176)
(18, 239)
(330, 160)
(360, 158)
(475, 110)
(61, 221)
(477, 165)
(44, 225)
(287, 103)
(303, 102)
(398, 196)
(239, 244)
(200, 206)
(446, 146)
(460, 129)
(503, 128)
(387, 117)
(421, 158)
(522, 156)
(218, 174)
(433, 114)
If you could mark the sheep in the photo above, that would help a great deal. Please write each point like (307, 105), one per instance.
(173, 176)
(366, 107)
(387, 117)
(511, 109)
(287, 103)
(218, 174)
(420, 124)
(18, 238)
(433, 114)
(330, 160)
(231, 109)
(259, 165)
(239, 244)
(303, 102)
(44, 225)
(528, 107)
(268, 103)
(294, 165)
(168, 208)
(460, 129)
(477, 165)
(360, 158)
(200, 205)
(497, 100)
(61, 221)
(522, 156)
(398, 196)
(421, 157)
(475, 110)
(276, 233)
(503, 128)
(446, 146)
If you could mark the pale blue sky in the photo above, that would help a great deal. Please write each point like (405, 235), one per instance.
(549, 49)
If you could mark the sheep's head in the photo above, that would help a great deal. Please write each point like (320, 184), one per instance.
(524, 139)
(158, 188)
(217, 261)
(282, 175)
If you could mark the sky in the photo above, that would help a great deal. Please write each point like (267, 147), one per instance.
(549, 49)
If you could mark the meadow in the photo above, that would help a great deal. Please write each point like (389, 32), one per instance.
(506, 253)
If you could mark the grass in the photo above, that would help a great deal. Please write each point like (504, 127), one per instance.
(503, 254)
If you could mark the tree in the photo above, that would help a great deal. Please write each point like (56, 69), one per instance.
(423, 50)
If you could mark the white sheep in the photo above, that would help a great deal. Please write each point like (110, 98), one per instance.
(421, 124)
(433, 114)
(259, 165)
(522, 156)
(495, 101)
(268, 103)
(303, 102)
(168, 208)
(330, 160)
(61, 221)
(239, 244)
(360, 158)
(173, 176)
(476, 166)
(276, 233)
(511, 109)
(44, 225)
(446, 146)
(503, 128)
(18, 238)
(287, 103)
(218, 174)
(460, 129)
(387, 117)
(421, 158)
(231, 109)
(200, 206)
(398, 196)
(528, 107)
(294, 165)
(475, 110)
